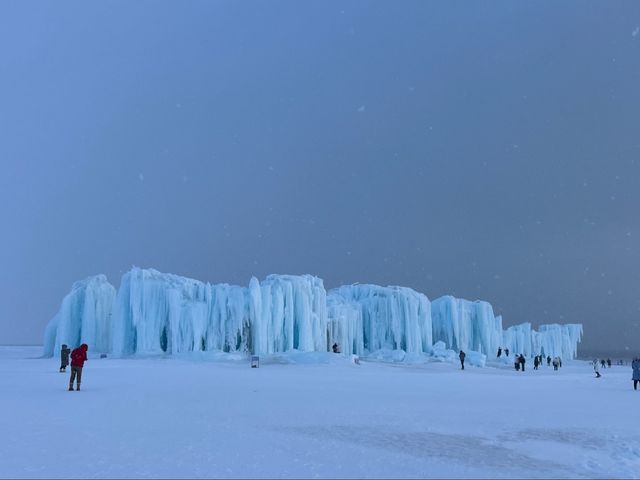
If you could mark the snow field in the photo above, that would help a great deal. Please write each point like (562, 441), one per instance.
(194, 417)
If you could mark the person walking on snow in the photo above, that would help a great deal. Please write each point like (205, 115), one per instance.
(499, 351)
(78, 357)
(536, 362)
(603, 363)
(608, 363)
(636, 372)
(549, 360)
(64, 357)
(522, 361)
(506, 352)
(596, 368)
(462, 357)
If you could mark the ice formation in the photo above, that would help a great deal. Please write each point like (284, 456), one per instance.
(345, 326)
(156, 313)
(288, 312)
(395, 318)
(465, 325)
(84, 317)
(550, 340)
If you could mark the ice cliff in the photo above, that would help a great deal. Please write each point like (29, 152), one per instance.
(465, 325)
(84, 317)
(395, 318)
(156, 313)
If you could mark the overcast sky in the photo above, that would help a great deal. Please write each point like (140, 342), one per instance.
(489, 150)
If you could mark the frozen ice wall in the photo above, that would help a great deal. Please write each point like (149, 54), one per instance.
(396, 318)
(472, 326)
(560, 340)
(156, 313)
(550, 340)
(84, 317)
(465, 325)
(345, 325)
(519, 340)
(288, 312)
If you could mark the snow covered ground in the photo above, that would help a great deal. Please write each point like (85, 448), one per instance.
(193, 417)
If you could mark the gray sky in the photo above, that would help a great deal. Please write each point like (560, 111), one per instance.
(489, 150)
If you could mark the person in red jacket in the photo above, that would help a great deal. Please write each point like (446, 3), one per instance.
(78, 357)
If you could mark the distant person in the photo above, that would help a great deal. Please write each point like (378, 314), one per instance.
(549, 360)
(636, 372)
(516, 364)
(78, 357)
(336, 348)
(608, 363)
(560, 362)
(64, 357)
(603, 363)
(596, 368)
(499, 351)
(462, 357)
(536, 362)
(555, 363)
(506, 352)
(522, 362)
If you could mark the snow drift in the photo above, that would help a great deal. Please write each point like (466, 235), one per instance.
(159, 313)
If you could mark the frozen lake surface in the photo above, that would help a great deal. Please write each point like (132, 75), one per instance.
(194, 417)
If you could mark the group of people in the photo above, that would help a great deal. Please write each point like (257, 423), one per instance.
(600, 363)
(539, 360)
(78, 357)
(506, 352)
(603, 363)
(520, 361)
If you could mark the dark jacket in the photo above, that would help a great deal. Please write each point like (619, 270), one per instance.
(636, 369)
(64, 355)
(462, 355)
(79, 356)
